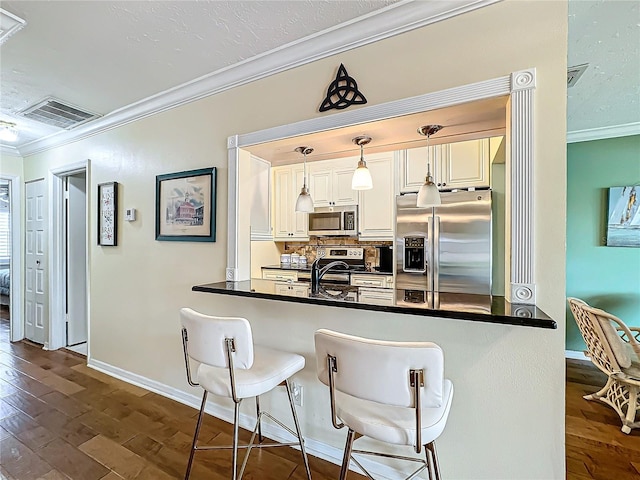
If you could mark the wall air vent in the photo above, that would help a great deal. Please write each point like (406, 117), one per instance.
(58, 114)
(574, 74)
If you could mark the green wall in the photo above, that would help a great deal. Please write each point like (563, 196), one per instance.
(605, 277)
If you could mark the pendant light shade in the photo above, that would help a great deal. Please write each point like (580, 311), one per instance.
(304, 203)
(428, 195)
(361, 177)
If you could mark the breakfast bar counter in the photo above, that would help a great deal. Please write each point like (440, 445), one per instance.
(478, 308)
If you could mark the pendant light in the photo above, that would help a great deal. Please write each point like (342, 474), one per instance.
(8, 131)
(361, 177)
(304, 203)
(428, 195)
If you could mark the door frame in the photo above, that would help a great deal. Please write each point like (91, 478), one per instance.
(58, 256)
(16, 322)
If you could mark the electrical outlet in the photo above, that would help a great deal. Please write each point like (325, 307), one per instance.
(296, 393)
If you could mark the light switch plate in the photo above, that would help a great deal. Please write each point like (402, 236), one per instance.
(130, 214)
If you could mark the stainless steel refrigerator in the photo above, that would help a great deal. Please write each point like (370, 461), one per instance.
(444, 249)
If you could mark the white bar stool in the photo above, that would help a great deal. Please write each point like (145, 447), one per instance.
(394, 392)
(231, 366)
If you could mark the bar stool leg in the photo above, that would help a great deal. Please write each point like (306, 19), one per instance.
(347, 454)
(195, 435)
(236, 422)
(258, 417)
(297, 424)
(431, 447)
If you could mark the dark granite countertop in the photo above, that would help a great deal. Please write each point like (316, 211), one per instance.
(479, 308)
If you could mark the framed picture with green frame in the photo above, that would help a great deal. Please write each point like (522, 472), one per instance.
(186, 206)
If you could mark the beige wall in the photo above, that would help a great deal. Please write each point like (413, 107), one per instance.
(10, 164)
(507, 420)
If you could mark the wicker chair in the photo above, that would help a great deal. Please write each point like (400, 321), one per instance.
(613, 348)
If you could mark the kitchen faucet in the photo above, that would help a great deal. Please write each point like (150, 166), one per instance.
(317, 273)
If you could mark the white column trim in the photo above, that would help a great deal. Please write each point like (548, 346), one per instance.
(522, 287)
(233, 191)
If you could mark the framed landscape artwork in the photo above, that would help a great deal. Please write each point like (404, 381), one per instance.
(186, 206)
(623, 224)
(108, 214)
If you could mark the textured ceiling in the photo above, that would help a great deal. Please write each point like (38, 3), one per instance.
(106, 55)
(103, 55)
(606, 35)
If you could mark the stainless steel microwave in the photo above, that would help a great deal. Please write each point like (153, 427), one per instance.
(334, 221)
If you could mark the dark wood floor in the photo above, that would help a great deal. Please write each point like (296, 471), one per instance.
(595, 446)
(60, 419)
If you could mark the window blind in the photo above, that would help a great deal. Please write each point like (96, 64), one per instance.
(5, 235)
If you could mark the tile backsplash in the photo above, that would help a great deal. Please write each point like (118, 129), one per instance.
(309, 248)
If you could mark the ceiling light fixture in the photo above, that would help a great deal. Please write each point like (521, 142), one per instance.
(8, 132)
(361, 177)
(428, 195)
(304, 203)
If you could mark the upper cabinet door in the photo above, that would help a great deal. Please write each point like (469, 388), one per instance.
(453, 165)
(288, 224)
(343, 194)
(465, 164)
(282, 202)
(377, 205)
(320, 187)
(413, 167)
(299, 221)
(330, 183)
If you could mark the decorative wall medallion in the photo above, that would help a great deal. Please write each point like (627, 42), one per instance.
(342, 92)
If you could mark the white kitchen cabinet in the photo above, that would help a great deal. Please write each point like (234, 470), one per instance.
(465, 164)
(330, 183)
(288, 224)
(376, 296)
(453, 165)
(261, 203)
(293, 289)
(278, 274)
(376, 211)
(371, 280)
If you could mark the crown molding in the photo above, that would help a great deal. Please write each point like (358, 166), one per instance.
(9, 150)
(393, 20)
(604, 132)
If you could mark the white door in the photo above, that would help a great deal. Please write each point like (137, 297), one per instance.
(36, 292)
(76, 214)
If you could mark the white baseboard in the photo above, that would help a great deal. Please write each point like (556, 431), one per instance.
(575, 355)
(270, 430)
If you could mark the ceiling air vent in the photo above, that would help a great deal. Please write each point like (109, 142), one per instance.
(9, 24)
(574, 74)
(57, 113)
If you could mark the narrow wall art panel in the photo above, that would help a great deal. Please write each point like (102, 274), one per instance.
(623, 224)
(108, 214)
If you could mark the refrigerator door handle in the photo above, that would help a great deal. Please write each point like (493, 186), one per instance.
(435, 253)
